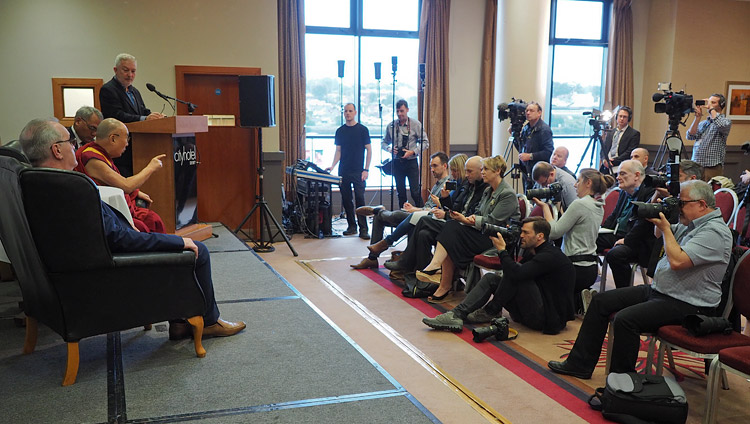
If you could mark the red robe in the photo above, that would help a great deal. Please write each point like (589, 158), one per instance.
(144, 219)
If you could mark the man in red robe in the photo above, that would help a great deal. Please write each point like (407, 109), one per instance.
(95, 160)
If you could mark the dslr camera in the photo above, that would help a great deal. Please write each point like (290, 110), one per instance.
(511, 233)
(551, 192)
(499, 327)
(670, 207)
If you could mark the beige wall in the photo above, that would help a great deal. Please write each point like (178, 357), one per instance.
(40, 40)
(696, 47)
(465, 33)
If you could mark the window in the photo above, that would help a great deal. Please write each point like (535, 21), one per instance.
(360, 33)
(579, 35)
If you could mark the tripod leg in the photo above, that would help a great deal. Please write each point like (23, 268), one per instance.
(244, 221)
(266, 210)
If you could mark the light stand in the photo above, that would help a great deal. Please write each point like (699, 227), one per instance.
(421, 115)
(380, 115)
(261, 206)
(394, 63)
(341, 89)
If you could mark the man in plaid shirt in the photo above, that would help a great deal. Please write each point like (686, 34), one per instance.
(710, 136)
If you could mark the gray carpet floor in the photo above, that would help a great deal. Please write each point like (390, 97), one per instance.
(289, 365)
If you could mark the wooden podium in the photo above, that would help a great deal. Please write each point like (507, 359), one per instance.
(173, 188)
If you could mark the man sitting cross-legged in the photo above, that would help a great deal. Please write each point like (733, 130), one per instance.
(538, 292)
(51, 146)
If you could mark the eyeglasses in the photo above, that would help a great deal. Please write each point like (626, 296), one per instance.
(130, 137)
(72, 141)
(683, 202)
(89, 126)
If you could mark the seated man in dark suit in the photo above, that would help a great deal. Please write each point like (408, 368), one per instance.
(84, 127)
(120, 100)
(50, 146)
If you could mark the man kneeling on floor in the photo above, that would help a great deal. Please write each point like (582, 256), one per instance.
(51, 146)
(687, 281)
(538, 292)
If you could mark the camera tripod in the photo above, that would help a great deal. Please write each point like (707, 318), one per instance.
(260, 245)
(595, 143)
(516, 170)
(672, 141)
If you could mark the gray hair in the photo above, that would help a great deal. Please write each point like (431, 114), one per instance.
(690, 168)
(107, 127)
(85, 112)
(37, 138)
(634, 166)
(700, 190)
(122, 57)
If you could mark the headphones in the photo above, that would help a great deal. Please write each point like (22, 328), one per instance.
(628, 110)
(722, 100)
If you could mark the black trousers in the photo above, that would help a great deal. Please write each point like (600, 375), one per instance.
(418, 252)
(638, 309)
(619, 259)
(403, 169)
(349, 181)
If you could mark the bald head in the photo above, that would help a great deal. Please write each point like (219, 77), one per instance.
(560, 157)
(641, 155)
(112, 135)
(474, 169)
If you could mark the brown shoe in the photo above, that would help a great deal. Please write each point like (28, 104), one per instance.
(180, 330)
(369, 210)
(396, 255)
(366, 263)
(223, 329)
(379, 247)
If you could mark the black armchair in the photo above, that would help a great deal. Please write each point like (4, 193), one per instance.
(14, 150)
(51, 226)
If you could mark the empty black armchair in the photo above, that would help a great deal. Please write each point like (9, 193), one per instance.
(70, 281)
(13, 149)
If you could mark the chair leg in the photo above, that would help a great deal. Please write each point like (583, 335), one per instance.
(31, 334)
(646, 279)
(724, 381)
(660, 358)
(712, 392)
(650, 354)
(71, 369)
(197, 323)
(603, 279)
(610, 338)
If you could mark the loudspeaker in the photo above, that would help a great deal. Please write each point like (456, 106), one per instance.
(257, 103)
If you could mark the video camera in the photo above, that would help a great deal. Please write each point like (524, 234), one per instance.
(516, 111)
(511, 233)
(551, 192)
(599, 120)
(675, 104)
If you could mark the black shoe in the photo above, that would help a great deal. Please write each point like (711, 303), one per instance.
(565, 369)
(350, 231)
(364, 235)
(395, 266)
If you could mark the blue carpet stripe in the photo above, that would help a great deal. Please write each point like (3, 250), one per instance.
(196, 416)
(259, 299)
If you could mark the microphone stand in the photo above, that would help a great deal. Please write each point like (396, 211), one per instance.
(393, 134)
(191, 107)
(421, 132)
(380, 115)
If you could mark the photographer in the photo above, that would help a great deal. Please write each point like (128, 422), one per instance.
(418, 252)
(630, 239)
(579, 226)
(687, 281)
(405, 139)
(536, 141)
(537, 293)
(405, 218)
(618, 144)
(545, 174)
(689, 170)
(710, 136)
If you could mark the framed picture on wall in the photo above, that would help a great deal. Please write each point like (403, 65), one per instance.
(738, 101)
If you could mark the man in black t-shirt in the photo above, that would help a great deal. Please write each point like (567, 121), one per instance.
(352, 140)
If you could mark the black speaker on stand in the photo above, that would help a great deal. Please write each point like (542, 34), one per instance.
(257, 111)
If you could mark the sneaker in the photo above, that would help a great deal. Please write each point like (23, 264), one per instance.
(446, 321)
(479, 316)
(586, 296)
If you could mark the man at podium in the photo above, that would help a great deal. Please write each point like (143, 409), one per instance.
(120, 100)
(95, 159)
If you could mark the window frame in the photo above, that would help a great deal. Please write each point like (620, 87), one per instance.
(603, 41)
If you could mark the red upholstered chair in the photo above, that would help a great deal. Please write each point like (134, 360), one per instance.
(610, 201)
(735, 360)
(739, 221)
(726, 200)
(523, 205)
(708, 347)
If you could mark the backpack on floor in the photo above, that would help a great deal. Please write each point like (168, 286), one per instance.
(632, 398)
(416, 289)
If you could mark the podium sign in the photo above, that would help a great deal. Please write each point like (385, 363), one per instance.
(173, 188)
